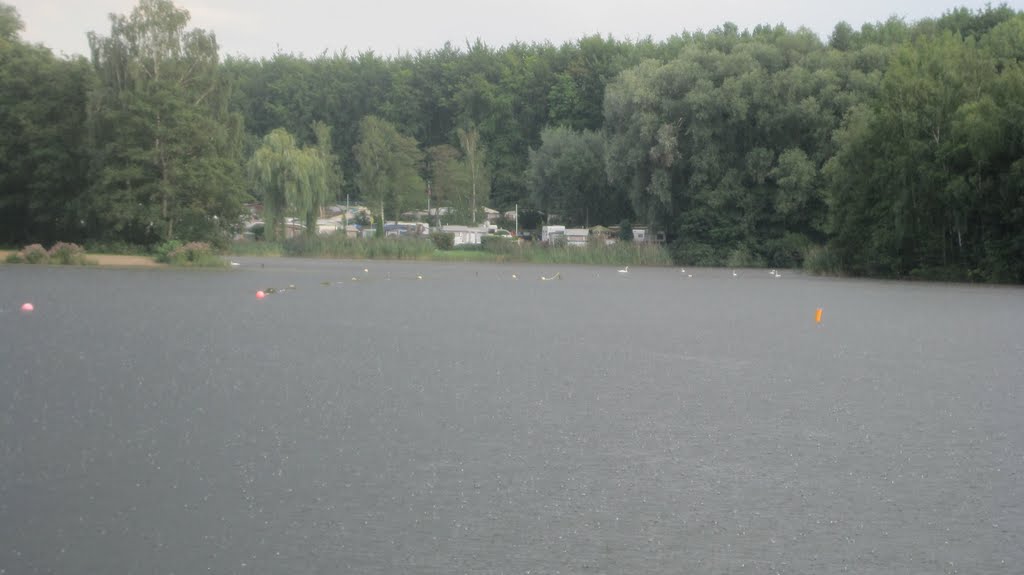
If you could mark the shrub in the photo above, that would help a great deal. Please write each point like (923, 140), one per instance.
(67, 254)
(163, 251)
(940, 273)
(196, 254)
(820, 260)
(692, 253)
(626, 231)
(443, 240)
(34, 254)
(741, 257)
(787, 251)
(14, 258)
(499, 244)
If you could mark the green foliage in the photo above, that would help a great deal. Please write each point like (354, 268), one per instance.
(925, 181)
(34, 254)
(625, 231)
(254, 248)
(163, 251)
(618, 254)
(43, 150)
(10, 22)
(389, 163)
(892, 150)
(290, 180)
(67, 254)
(192, 254)
(96, 246)
(443, 240)
(165, 148)
(499, 244)
(820, 260)
(341, 246)
(743, 257)
(469, 139)
(566, 176)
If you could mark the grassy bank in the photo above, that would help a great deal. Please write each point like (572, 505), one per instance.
(500, 250)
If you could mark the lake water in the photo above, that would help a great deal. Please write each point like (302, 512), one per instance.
(167, 421)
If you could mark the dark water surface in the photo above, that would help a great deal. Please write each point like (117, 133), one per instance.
(166, 421)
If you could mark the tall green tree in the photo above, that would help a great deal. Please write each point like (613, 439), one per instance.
(449, 183)
(167, 151)
(332, 164)
(11, 23)
(473, 150)
(291, 181)
(388, 164)
(566, 177)
(43, 149)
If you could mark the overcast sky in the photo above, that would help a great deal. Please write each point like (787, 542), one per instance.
(259, 28)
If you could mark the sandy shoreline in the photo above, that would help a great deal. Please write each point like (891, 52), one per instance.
(111, 260)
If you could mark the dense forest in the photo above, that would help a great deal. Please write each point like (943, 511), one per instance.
(893, 150)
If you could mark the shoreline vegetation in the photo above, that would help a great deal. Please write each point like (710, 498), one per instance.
(890, 150)
(199, 254)
(497, 250)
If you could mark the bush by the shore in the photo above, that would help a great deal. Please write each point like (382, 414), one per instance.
(61, 253)
(192, 254)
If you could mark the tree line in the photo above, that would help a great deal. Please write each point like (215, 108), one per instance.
(896, 149)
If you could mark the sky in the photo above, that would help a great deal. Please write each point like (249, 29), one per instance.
(260, 28)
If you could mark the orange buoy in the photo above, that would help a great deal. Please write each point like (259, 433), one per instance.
(817, 315)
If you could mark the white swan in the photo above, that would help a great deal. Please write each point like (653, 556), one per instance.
(624, 270)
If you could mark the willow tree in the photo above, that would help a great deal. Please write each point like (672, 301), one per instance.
(166, 150)
(290, 181)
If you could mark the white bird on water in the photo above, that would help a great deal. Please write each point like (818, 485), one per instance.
(624, 270)
(682, 271)
(235, 264)
(515, 277)
(558, 275)
(734, 274)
